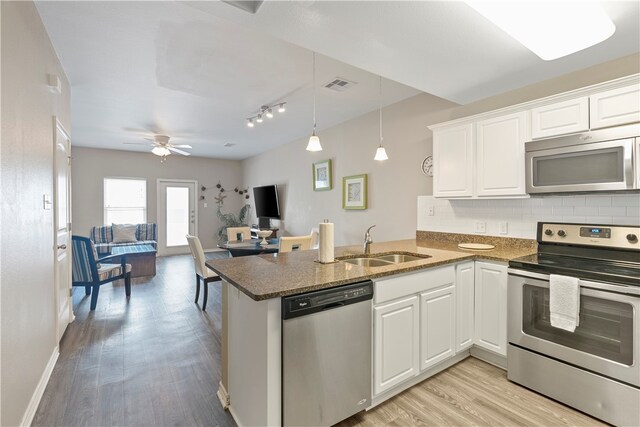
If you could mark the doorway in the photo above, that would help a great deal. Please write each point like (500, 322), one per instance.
(177, 215)
(62, 226)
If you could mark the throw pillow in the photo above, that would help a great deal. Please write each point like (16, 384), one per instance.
(124, 233)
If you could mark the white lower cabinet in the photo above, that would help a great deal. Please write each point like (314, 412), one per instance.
(396, 348)
(491, 307)
(437, 326)
(464, 305)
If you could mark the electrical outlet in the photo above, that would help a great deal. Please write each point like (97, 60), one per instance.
(504, 227)
(205, 205)
(480, 227)
(430, 211)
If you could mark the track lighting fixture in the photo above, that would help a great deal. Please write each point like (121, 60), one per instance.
(266, 111)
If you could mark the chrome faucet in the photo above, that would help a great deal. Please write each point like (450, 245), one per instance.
(367, 241)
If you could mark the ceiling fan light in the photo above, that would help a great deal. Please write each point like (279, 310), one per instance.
(551, 30)
(381, 154)
(259, 119)
(161, 151)
(281, 107)
(314, 143)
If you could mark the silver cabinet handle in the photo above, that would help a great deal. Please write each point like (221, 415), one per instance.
(63, 246)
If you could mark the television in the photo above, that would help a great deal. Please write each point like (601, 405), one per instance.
(266, 203)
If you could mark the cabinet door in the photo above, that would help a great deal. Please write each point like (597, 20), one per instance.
(464, 305)
(491, 307)
(453, 162)
(396, 351)
(437, 326)
(500, 156)
(560, 118)
(615, 107)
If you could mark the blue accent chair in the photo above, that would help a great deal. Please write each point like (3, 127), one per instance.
(92, 272)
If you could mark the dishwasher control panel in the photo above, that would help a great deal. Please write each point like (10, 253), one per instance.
(326, 299)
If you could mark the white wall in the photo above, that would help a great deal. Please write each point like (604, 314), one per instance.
(522, 215)
(28, 318)
(91, 165)
(393, 184)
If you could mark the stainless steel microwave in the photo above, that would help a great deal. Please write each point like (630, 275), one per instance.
(601, 160)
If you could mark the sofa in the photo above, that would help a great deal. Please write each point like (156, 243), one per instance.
(102, 237)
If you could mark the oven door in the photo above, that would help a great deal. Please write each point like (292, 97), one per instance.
(599, 166)
(607, 341)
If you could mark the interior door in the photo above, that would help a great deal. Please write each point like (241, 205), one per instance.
(177, 215)
(62, 221)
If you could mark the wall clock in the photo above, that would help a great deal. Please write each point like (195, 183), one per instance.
(427, 166)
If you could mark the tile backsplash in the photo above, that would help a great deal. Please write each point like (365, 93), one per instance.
(522, 215)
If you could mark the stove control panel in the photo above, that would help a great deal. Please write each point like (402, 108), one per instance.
(610, 236)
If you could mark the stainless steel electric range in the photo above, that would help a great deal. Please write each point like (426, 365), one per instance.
(596, 368)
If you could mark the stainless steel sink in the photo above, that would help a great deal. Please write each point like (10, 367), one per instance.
(367, 262)
(382, 260)
(400, 258)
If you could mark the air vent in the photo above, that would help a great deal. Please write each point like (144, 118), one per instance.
(339, 84)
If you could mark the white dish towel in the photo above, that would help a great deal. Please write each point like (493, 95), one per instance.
(564, 302)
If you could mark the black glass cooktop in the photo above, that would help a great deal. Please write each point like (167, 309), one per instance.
(584, 268)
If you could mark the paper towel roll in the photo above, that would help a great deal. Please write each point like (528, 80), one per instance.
(325, 247)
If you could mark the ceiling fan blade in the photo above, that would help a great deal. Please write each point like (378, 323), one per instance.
(150, 139)
(137, 143)
(182, 146)
(175, 150)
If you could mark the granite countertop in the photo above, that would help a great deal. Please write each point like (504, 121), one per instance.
(276, 275)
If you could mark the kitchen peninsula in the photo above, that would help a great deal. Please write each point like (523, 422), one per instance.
(253, 288)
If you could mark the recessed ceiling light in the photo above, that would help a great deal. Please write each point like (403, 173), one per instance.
(549, 29)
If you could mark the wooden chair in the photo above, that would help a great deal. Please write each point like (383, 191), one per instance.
(203, 272)
(288, 244)
(92, 272)
(232, 233)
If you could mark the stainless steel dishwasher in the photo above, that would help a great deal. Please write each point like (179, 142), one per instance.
(326, 355)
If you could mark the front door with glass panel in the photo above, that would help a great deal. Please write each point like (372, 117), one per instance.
(176, 215)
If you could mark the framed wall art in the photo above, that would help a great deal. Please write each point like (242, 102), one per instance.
(322, 176)
(354, 192)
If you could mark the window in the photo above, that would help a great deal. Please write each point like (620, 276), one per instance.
(125, 201)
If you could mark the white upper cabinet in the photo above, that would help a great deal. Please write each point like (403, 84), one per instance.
(500, 156)
(453, 161)
(615, 107)
(560, 118)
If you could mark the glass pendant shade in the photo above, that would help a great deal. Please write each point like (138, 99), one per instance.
(314, 143)
(161, 151)
(381, 154)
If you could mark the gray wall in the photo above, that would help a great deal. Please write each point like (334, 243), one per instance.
(90, 166)
(393, 184)
(28, 318)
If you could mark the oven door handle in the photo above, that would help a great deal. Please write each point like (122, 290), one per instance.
(623, 289)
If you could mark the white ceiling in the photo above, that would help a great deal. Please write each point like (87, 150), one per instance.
(196, 70)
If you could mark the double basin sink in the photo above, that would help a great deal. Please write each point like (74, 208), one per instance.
(383, 260)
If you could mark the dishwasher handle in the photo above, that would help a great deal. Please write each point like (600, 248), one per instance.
(326, 299)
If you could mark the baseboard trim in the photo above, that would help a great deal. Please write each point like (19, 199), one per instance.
(223, 396)
(27, 419)
(490, 357)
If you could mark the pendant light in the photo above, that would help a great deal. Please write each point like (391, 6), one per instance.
(314, 141)
(381, 153)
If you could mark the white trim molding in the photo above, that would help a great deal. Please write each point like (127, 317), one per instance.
(30, 412)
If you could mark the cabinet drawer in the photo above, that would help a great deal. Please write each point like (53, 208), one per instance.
(412, 283)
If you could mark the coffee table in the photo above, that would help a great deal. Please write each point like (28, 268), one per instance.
(141, 257)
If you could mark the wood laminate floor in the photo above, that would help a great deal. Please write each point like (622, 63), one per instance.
(155, 361)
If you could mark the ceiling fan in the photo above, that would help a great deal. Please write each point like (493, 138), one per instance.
(162, 147)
